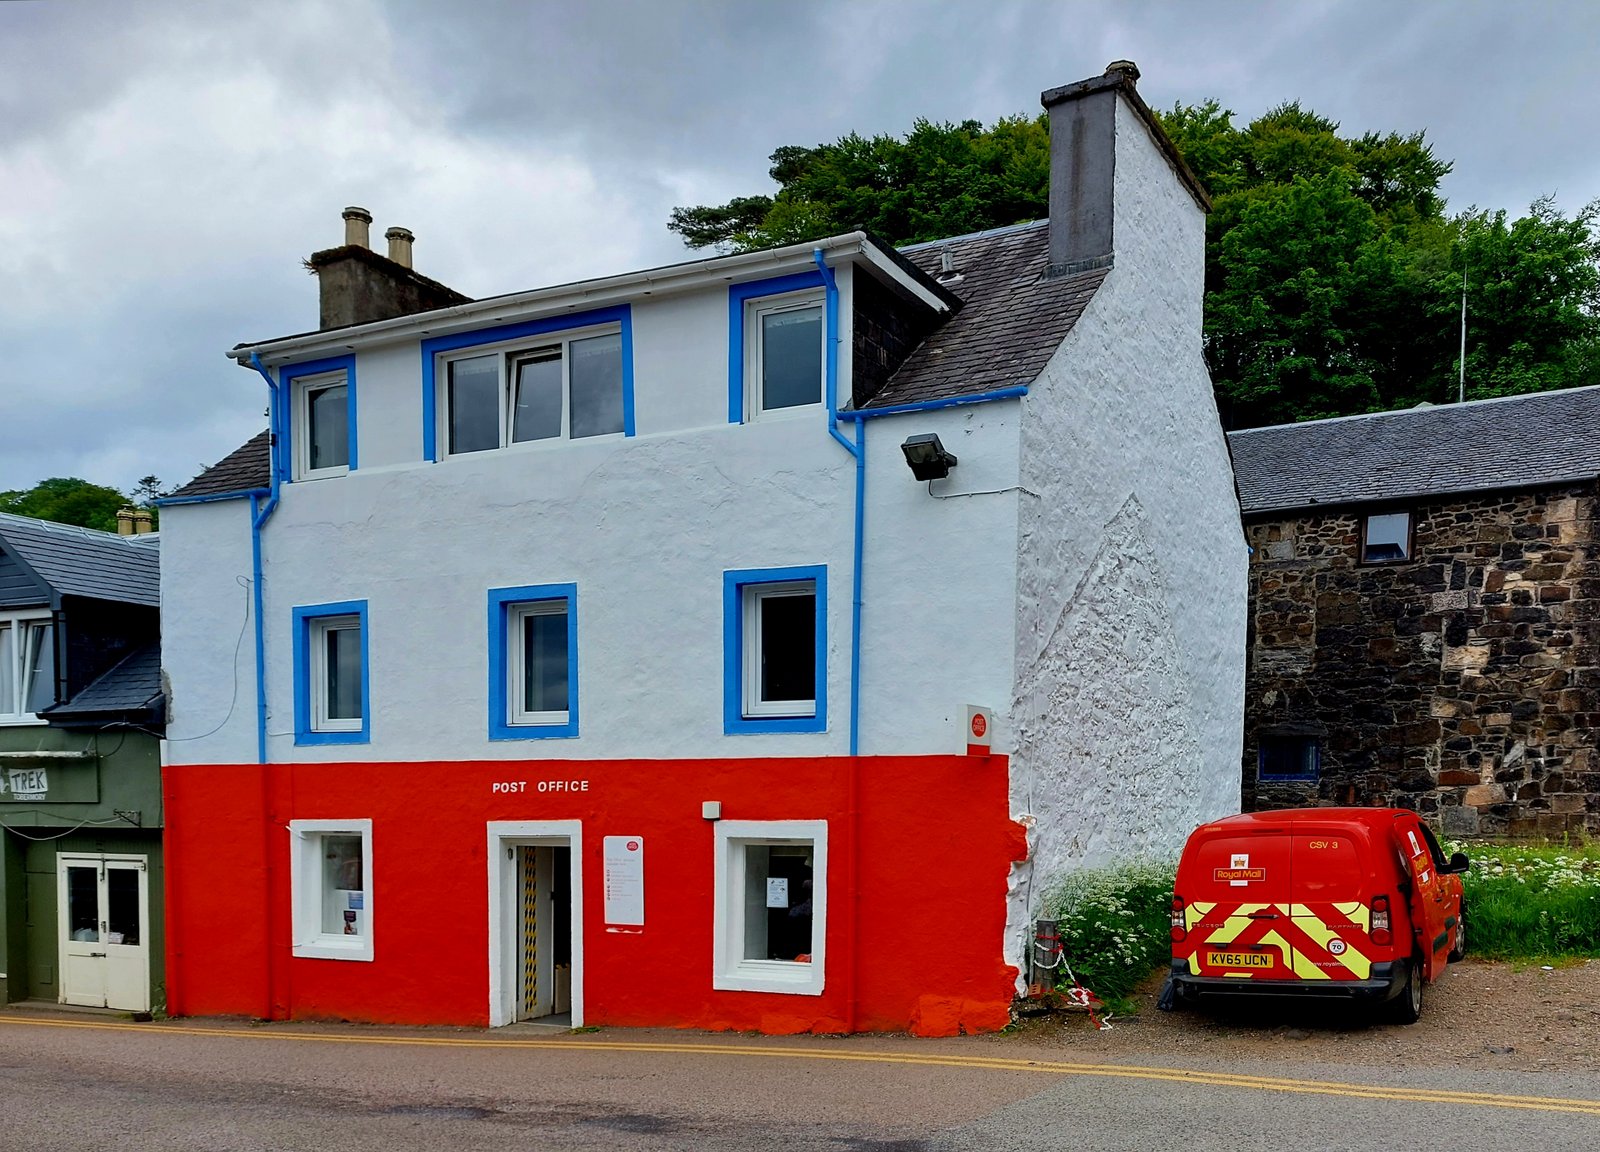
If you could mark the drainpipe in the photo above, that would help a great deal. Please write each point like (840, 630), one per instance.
(260, 513)
(857, 449)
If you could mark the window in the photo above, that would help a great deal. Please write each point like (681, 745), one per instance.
(566, 387)
(27, 666)
(784, 343)
(331, 683)
(1386, 538)
(777, 345)
(330, 884)
(771, 906)
(321, 438)
(1288, 759)
(775, 638)
(533, 664)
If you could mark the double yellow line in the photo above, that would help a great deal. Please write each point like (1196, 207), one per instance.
(1576, 1107)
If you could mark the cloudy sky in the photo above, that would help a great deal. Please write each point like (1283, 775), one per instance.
(165, 166)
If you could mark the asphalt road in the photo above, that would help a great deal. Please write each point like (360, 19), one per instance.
(67, 1083)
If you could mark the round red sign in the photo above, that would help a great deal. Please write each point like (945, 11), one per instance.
(979, 725)
(633, 845)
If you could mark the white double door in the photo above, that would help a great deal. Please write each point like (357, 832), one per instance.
(104, 903)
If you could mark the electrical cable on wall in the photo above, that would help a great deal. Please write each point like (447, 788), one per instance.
(233, 703)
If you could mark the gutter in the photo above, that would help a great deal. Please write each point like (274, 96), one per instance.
(260, 513)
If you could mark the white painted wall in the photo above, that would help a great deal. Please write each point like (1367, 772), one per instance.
(645, 526)
(205, 605)
(1131, 569)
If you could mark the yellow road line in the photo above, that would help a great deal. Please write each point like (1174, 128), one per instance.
(935, 1060)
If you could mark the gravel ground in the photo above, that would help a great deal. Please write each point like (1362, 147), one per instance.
(1480, 1015)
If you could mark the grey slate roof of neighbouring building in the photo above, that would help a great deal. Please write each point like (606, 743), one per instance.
(1011, 321)
(1540, 439)
(243, 469)
(131, 685)
(83, 562)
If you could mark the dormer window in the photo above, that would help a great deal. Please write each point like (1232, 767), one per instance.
(562, 388)
(27, 666)
(1386, 538)
(783, 344)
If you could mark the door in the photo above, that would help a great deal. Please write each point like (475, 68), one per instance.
(1331, 914)
(104, 917)
(1434, 910)
(1239, 900)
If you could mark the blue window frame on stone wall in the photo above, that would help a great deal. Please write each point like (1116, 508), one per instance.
(1288, 758)
(533, 662)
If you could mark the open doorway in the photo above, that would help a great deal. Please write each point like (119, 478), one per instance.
(535, 923)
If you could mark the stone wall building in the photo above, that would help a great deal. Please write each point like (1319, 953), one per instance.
(1425, 613)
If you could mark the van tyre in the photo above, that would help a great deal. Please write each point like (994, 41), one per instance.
(1460, 950)
(1406, 1008)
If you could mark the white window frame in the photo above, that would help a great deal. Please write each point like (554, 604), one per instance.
(301, 437)
(753, 707)
(516, 661)
(318, 629)
(11, 711)
(305, 890)
(754, 310)
(1407, 546)
(506, 354)
(731, 971)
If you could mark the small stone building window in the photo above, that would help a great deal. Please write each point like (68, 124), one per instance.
(1386, 538)
(1287, 758)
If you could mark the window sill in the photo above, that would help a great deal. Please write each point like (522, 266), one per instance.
(310, 738)
(334, 948)
(21, 722)
(784, 976)
(755, 725)
(567, 731)
(320, 474)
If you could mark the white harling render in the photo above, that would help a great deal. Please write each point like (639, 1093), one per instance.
(1081, 571)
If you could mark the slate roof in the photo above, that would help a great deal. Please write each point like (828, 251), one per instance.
(82, 562)
(241, 470)
(131, 685)
(1540, 439)
(1010, 323)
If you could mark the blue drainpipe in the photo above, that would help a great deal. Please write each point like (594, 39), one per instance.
(260, 513)
(856, 449)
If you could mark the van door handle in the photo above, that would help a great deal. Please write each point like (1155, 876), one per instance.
(1263, 915)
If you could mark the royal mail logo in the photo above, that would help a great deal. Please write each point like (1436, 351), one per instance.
(1239, 875)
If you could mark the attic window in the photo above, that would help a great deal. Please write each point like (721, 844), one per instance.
(27, 667)
(1386, 538)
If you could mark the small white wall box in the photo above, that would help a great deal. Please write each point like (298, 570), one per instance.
(711, 809)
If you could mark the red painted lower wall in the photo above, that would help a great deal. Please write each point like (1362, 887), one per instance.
(917, 871)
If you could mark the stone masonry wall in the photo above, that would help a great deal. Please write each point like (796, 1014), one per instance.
(1462, 684)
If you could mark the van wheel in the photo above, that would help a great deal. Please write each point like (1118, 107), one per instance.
(1460, 949)
(1407, 1007)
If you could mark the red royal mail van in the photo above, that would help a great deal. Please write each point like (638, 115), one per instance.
(1332, 902)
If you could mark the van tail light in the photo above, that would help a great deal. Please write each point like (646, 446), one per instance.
(1379, 931)
(1178, 930)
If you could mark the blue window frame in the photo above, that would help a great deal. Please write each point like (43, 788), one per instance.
(294, 427)
(533, 662)
(738, 296)
(775, 648)
(1288, 758)
(622, 316)
(332, 681)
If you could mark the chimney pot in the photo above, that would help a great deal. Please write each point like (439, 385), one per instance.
(400, 240)
(143, 522)
(357, 221)
(1125, 68)
(124, 521)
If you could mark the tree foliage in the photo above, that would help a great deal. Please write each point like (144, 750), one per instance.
(1333, 273)
(69, 500)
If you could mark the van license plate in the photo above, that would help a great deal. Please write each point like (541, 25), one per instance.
(1242, 959)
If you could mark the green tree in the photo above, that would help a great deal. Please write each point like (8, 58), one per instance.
(67, 500)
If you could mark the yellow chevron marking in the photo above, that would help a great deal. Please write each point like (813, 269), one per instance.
(1194, 913)
(1357, 913)
(1320, 934)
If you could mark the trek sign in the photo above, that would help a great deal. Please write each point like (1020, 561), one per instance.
(53, 784)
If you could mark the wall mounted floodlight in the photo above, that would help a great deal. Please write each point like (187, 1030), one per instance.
(927, 457)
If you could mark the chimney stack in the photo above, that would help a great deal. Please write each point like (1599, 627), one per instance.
(400, 240)
(1083, 168)
(357, 221)
(124, 521)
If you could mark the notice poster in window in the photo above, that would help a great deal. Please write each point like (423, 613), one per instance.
(777, 891)
(624, 866)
